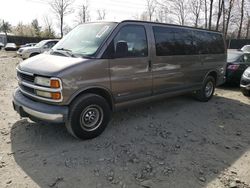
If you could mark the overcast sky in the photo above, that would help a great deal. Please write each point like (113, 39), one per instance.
(15, 11)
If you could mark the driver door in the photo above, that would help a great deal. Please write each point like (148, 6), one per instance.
(130, 72)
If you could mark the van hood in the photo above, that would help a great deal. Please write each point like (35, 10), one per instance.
(48, 65)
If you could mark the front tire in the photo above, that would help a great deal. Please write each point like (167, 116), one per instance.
(207, 90)
(88, 117)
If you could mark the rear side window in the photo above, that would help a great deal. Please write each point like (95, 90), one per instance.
(173, 41)
(179, 41)
(135, 37)
(208, 43)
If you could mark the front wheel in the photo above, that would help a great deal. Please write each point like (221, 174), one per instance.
(88, 117)
(207, 90)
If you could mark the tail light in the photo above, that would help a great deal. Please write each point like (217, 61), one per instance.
(233, 67)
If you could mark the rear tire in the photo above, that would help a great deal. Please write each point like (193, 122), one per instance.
(207, 90)
(88, 117)
(245, 92)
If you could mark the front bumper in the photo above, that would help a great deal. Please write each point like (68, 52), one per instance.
(37, 110)
(245, 83)
(22, 55)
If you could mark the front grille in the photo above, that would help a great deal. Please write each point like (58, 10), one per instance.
(25, 77)
(27, 89)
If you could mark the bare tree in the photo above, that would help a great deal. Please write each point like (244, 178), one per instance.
(48, 30)
(241, 18)
(179, 9)
(162, 14)
(195, 9)
(220, 12)
(61, 8)
(205, 10)
(248, 25)
(210, 14)
(228, 15)
(36, 27)
(101, 14)
(83, 14)
(5, 27)
(151, 8)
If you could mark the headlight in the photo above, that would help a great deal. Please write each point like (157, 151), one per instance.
(42, 81)
(48, 82)
(246, 73)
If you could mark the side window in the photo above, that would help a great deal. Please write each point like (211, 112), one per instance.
(131, 41)
(173, 41)
(216, 43)
(51, 44)
(208, 43)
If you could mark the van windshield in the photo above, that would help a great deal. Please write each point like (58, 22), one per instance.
(85, 39)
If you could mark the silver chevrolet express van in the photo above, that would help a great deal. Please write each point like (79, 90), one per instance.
(100, 67)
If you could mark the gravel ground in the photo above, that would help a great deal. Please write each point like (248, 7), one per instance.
(177, 142)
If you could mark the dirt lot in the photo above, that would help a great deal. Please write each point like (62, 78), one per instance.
(178, 142)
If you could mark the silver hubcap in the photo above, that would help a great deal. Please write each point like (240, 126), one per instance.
(209, 89)
(91, 117)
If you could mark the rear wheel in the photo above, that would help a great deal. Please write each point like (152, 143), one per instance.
(88, 117)
(245, 92)
(207, 90)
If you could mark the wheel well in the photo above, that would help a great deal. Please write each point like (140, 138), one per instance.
(34, 53)
(213, 74)
(98, 91)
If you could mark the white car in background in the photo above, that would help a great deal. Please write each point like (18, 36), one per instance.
(246, 48)
(40, 47)
(1, 45)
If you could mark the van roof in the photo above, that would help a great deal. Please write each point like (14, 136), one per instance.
(189, 27)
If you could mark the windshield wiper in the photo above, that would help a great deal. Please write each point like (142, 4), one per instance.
(69, 52)
(64, 49)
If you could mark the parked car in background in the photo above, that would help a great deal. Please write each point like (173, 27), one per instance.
(10, 47)
(28, 45)
(1, 45)
(40, 47)
(245, 82)
(246, 48)
(237, 63)
(100, 67)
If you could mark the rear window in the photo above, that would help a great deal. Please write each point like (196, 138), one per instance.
(182, 41)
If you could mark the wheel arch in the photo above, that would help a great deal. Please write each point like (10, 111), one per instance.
(212, 73)
(105, 93)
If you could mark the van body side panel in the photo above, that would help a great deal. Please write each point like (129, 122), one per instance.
(168, 74)
(130, 78)
(213, 62)
(86, 75)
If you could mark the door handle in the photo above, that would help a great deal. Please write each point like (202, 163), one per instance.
(149, 65)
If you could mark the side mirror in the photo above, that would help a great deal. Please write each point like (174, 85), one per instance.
(45, 46)
(121, 49)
